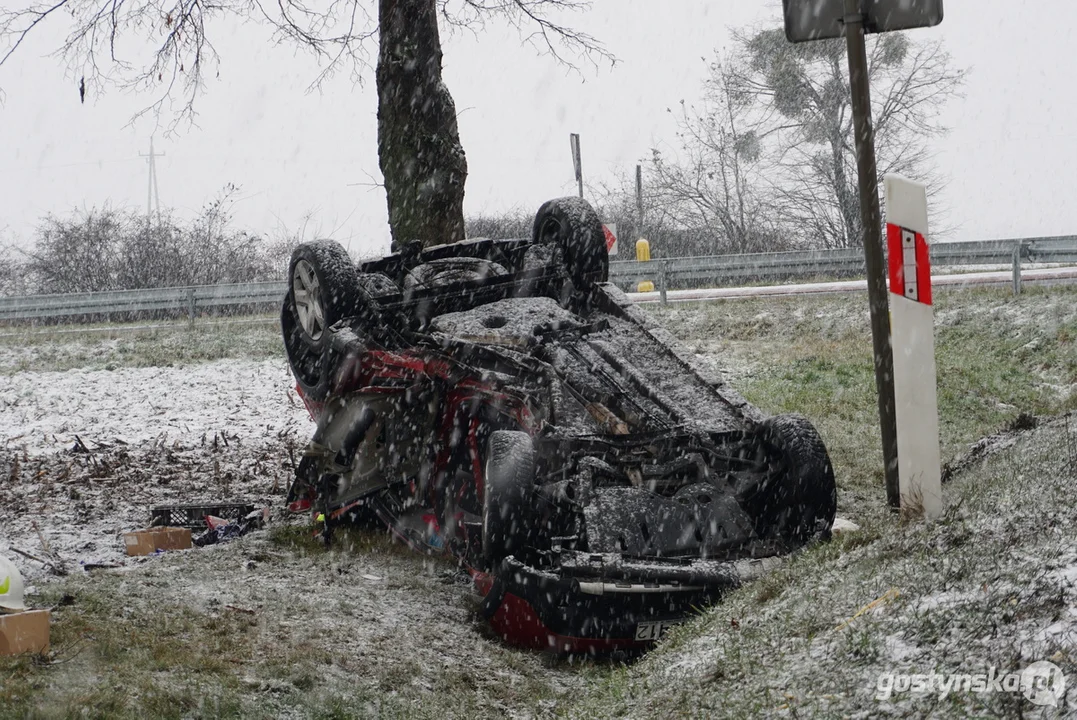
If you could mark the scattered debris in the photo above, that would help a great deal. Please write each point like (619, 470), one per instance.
(24, 632)
(221, 530)
(889, 595)
(236, 608)
(842, 526)
(90, 566)
(28, 556)
(150, 540)
(193, 515)
(53, 560)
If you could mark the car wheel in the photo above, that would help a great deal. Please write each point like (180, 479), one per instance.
(506, 502)
(573, 224)
(800, 502)
(322, 289)
(322, 282)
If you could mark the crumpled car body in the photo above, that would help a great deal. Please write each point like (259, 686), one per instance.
(500, 401)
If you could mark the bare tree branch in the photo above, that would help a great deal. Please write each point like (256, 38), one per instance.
(338, 34)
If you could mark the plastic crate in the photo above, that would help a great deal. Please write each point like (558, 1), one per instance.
(193, 516)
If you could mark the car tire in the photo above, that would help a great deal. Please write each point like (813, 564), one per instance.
(506, 503)
(574, 225)
(800, 502)
(324, 278)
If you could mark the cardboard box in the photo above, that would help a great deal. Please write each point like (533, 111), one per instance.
(173, 538)
(24, 632)
(145, 542)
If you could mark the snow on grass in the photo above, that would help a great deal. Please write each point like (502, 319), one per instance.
(44, 411)
(86, 454)
(273, 626)
(107, 348)
(988, 585)
(270, 625)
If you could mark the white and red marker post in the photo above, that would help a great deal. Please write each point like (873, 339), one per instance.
(912, 335)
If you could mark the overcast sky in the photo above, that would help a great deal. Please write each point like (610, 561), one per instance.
(1008, 159)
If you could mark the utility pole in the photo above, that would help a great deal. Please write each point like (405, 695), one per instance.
(574, 142)
(153, 190)
(639, 201)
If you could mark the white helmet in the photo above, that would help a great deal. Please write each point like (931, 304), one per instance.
(10, 586)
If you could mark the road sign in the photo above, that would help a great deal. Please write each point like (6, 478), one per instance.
(912, 328)
(610, 230)
(824, 19)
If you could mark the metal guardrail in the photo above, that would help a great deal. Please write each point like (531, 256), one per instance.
(719, 270)
(180, 300)
(714, 270)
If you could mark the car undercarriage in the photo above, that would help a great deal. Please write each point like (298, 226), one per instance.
(500, 401)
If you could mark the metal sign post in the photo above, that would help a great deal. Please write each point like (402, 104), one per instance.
(870, 221)
(807, 20)
(574, 142)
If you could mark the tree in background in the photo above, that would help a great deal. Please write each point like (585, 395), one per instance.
(77, 254)
(715, 183)
(110, 249)
(513, 223)
(419, 147)
(802, 93)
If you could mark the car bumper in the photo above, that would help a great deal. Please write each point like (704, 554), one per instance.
(626, 610)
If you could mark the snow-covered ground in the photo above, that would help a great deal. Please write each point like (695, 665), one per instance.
(43, 412)
(385, 631)
(86, 454)
(988, 589)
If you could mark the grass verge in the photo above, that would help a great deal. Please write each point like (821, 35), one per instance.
(997, 356)
(59, 349)
(992, 584)
(274, 626)
(980, 587)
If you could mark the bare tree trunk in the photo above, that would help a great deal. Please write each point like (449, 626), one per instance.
(848, 202)
(419, 148)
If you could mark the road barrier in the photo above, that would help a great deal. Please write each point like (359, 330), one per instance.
(728, 270)
(190, 301)
(667, 273)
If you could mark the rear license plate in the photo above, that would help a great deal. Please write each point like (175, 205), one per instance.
(646, 631)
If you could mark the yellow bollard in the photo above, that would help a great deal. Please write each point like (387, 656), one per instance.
(643, 250)
(643, 254)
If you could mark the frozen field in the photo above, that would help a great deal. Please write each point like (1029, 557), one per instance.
(273, 626)
(88, 453)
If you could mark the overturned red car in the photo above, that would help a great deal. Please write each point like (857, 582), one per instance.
(499, 400)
